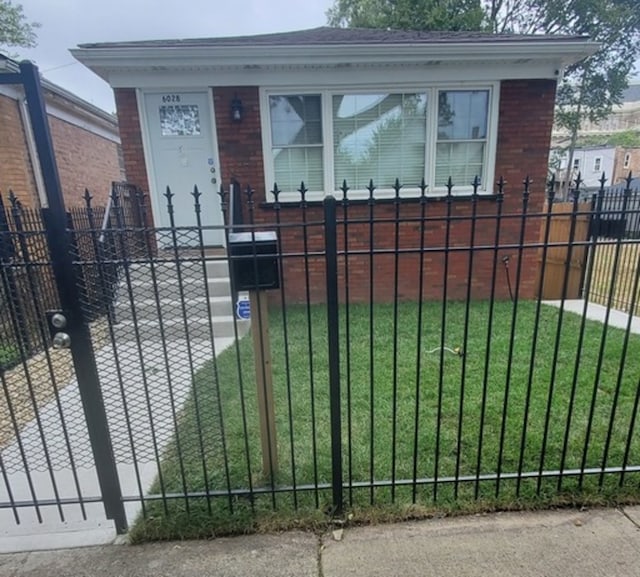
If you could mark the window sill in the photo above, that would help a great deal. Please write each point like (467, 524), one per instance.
(430, 198)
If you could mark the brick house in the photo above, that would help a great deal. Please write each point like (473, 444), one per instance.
(327, 105)
(85, 139)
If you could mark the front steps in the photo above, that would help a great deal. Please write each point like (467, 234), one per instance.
(170, 300)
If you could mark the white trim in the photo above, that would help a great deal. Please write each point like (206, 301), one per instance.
(326, 105)
(11, 91)
(216, 155)
(106, 60)
(148, 157)
(430, 89)
(33, 153)
(64, 115)
(597, 160)
(17, 94)
(310, 76)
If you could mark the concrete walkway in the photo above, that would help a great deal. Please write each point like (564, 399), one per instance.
(150, 427)
(564, 544)
(595, 312)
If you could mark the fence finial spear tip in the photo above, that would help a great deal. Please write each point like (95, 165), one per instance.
(629, 179)
(344, 189)
(449, 187)
(13, 199)
(603, 180)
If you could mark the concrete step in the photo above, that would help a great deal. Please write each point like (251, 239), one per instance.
(172, 289)
(172, 308)
(217, 268)
(169, 269)
(163, 272)
(168, 329)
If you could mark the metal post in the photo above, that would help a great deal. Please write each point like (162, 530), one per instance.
(81, 347)
(331, 259)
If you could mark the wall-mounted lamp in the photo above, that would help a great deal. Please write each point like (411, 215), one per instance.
(236, 109)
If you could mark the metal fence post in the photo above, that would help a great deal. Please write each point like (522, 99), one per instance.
(331, 259)
(82, 352)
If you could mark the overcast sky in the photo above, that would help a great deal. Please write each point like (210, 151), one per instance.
(67, 23)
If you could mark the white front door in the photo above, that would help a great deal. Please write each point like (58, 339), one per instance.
(183, 154)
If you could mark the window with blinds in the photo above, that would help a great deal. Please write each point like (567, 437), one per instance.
(462, 136)
(380, 137)
(296, 139)
(332, 136)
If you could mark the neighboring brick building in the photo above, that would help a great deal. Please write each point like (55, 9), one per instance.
(318, 105)
(627, 161)
(85, 140)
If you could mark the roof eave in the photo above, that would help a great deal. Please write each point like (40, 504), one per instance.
(104, 60)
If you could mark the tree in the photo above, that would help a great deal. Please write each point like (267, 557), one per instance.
(15, 29)
(587, 91)
(408, 14)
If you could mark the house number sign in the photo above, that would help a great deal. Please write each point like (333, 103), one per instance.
(170, 98)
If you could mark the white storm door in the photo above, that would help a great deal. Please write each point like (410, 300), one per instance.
(184, 153)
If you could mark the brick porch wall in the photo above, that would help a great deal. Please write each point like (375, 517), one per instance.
(84, 159)
(15, 164)
(524, 134)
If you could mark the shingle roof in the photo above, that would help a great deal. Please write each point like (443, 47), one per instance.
(340, 36)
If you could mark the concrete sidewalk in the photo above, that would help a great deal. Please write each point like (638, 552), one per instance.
(565, 544)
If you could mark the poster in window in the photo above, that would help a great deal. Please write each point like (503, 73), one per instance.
(180, 120)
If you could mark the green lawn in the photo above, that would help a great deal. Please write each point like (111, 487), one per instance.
(458, 447)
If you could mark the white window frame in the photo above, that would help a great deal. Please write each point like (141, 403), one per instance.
(627, 160)
(431, 90)
(597, 164)
(576, 164)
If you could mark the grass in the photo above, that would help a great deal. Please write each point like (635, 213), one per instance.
(9, 356)
(440, 408)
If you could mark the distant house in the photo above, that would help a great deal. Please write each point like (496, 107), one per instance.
(327, 105)
(85, 139)
(627, 161)
(592, 161)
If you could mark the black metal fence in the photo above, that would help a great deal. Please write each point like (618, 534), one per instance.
(402, 354)
(614, 270)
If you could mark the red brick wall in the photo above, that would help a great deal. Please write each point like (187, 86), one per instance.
(85, 160)
(522, 149)
(619, 170)
(15, 164)
(524, 134)
(131, 137)
(131, 141)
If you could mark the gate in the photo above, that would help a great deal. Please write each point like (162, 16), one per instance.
(45, 445)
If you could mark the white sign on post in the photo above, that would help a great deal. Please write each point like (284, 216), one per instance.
(243, 307)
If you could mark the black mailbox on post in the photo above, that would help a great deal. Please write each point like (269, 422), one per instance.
(254, 260)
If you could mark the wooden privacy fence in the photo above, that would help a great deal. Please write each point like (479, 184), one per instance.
(554, 258)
